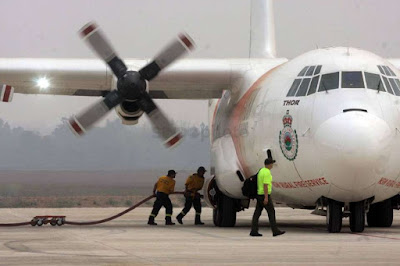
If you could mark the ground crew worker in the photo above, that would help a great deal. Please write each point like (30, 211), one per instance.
(193, 184)
(164, 186)
(264, 200)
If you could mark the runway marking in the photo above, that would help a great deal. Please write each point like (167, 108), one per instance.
(385, 237)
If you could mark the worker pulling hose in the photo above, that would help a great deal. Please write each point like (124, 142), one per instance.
(60, 220)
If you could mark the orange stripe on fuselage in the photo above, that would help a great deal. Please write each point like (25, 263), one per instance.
(213, 120)
(236, 118)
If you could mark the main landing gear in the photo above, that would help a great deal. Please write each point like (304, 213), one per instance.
(380, 214)
(357, 216)
(335, 214)
(224, 215)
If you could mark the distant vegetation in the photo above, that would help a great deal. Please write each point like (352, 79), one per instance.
(113, 147)
(111, 166)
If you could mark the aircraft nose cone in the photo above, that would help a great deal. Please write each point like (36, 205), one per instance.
(353, 149)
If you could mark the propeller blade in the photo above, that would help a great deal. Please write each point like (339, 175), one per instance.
(97, 41)
(6, 93)
(164, 128)
(173, 51)
(81, 123)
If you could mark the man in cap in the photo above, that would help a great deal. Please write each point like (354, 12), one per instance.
(164, 186)
(193, 184)
(264, 200)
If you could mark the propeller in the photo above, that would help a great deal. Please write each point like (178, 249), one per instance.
(131, 85)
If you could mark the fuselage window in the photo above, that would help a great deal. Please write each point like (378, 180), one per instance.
(374, 81)
(313, 86)
(329, 82)
(317, 69)
(388, 88)
(294, 87)
(352, 79)
(303, 87)
(310, 71)
(394, 87)
(302, 72)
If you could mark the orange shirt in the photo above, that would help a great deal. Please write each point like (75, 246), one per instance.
(166, 185)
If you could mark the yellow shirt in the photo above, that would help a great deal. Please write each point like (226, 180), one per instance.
(264, 177)
(166, 185)
(194, 183)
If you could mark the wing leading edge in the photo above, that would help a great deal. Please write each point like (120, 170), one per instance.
(186, 79)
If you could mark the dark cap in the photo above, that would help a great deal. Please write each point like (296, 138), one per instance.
(201, 168)
(269, 161)
(171, 172)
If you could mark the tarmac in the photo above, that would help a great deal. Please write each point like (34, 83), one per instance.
(128, 240)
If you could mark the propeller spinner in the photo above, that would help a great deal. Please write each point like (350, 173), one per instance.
(131, 85)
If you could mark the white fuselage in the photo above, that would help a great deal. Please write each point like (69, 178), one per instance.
(341, 143)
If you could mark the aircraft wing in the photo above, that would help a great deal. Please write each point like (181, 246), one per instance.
(186, 79)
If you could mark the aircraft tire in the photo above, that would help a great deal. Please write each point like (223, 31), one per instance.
(357, 216)
(385, 214)
(334, 216)
(380, 214)
(372, 215)
(217, 217)
(228, 212)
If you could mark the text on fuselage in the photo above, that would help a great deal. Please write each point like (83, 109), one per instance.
(291, 102)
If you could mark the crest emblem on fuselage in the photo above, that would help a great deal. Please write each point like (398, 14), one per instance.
(288, 138)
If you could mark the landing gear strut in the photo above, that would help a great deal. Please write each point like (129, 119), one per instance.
(334, 215)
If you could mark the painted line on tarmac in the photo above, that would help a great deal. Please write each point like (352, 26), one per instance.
(386, 237)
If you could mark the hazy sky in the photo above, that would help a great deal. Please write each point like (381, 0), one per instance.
(137, 29)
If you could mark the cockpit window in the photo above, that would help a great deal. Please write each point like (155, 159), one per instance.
(396, 89)
(388, 87)
(313, 86)
(374, 82)
(310, 71)
(329, 82)
(385, 70)
(391, 71)
(352, 79)
(381, 70)
(294, 87)
(303, 87)
(303, 72)
(317, 69)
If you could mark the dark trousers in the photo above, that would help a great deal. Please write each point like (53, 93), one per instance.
(257, 213)
(189, 201)
(162, 200)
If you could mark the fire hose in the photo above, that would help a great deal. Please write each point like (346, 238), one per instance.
(60, 220)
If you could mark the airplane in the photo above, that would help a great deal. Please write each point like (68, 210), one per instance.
(329, 117)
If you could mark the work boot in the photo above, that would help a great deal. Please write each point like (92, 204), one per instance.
(278, 233)
(168, 221)
(151, 221)
(197, 220)
(179, 218)
(255, 234)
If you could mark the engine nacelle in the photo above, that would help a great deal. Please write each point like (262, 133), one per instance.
(129, 112)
